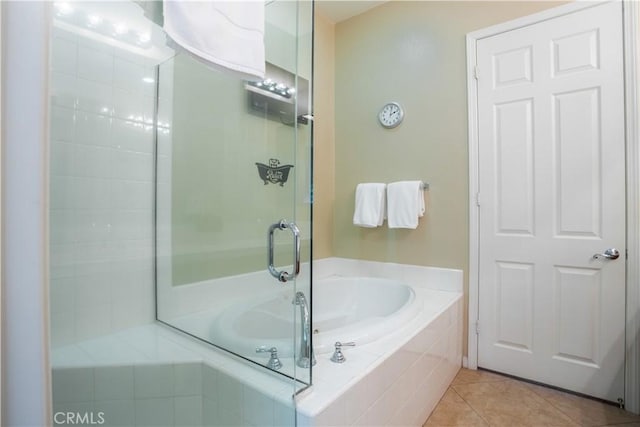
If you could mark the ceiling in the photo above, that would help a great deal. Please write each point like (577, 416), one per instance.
(340, 10)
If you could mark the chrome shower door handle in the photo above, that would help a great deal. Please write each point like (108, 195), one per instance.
(296, 247)
(283, 276)
(611, 253)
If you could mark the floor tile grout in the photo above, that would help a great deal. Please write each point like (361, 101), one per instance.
(569, 409)
(471, 406)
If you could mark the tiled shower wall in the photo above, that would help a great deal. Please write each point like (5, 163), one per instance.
(166, 395)
(102, 104)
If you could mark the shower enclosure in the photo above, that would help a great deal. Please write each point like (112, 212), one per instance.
(234, 198)
(180, 223)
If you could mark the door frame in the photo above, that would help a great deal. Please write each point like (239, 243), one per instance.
(631, 40)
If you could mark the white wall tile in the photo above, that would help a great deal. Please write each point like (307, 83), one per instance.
(334, 415)
(230, 396)
(64, 54)
(358, 398)
(209, 412)
(154, 412)
(93, 129)
(62, 294)
(153, 381)
(126, 105)
(97, 259)
(149, 87)
(92, 225)
(128, 75)
(62, 158)
(63, 226)
(62, 196)
(225, 418)
(187, 379)
(128, 135)
(62, 123)
(258, 408)
(188, 411)
(91, 291)
(62, 260)
(88, 191)
(94, 97)
(92, 257)
(117, 413)
(133, 166)
(132, 225)
(73, 385)
(131, 195)
(133, 311)
(63, 89)
(95, 65)
(92, 161)
(91, 321)
(113, 382)
(134, 251)
(283, 414)
(210, 382)
(95, 45)
(63, 328)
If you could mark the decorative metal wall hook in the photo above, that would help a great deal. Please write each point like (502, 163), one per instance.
(273, 173)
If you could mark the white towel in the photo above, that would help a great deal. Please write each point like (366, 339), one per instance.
(227, 35)
(370, 205)
(405, 204)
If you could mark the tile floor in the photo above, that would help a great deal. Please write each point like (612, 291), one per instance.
(481, 398)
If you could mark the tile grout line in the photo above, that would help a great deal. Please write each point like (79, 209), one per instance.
(550, 402)
(470, 406)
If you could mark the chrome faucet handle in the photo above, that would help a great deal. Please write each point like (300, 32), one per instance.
(273, 363)
(338, 356)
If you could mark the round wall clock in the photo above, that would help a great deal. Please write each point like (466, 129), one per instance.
(391, 115)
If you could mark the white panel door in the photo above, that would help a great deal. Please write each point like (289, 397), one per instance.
(552, 194)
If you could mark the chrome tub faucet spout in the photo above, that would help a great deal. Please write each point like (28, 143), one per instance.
(305, 357)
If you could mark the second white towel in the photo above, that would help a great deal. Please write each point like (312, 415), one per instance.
(405, 204)
(370, 205)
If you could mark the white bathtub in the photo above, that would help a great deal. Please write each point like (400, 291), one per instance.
(394, 380)
(345, 309)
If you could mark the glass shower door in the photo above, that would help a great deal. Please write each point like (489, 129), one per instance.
(165, 178)
(234, 201)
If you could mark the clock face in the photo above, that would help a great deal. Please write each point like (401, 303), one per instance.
(391, 115)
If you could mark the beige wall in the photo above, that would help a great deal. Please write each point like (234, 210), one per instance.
(413, 53)
(323, 136)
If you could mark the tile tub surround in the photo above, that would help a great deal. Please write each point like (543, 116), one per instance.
(396, 380)
(422, 342)
(399, 379)
(178, 394)
(154, 376)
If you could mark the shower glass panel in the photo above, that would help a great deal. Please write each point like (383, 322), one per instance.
(234, 161)
(159, 213)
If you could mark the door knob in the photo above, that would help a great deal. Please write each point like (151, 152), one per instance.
(611, 253)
